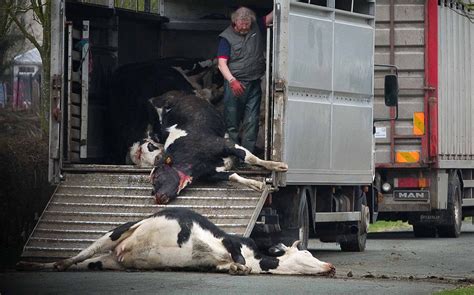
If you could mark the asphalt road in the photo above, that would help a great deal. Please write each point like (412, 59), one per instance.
(393, 263)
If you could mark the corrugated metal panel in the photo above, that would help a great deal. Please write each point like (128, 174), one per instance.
(407, 53)
(456, 88)
(87, 205)
(332, 90)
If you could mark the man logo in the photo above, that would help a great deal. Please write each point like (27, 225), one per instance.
(411, 195)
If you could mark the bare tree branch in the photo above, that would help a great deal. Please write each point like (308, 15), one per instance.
(24, 31)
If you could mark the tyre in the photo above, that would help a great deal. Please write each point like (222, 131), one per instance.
(293, 209)
(453, 228)
(424, 231)
(357, 242)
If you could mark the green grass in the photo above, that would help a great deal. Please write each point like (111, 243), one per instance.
(458, 291)
(381, 226)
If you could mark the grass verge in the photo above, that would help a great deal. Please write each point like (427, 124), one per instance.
(381, 226)
(458, 291)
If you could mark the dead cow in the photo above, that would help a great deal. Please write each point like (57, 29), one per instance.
(181, 238)
(132, 85)
(145, 152)
(196, 147)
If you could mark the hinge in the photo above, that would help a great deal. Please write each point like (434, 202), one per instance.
(56, 97)
(279, 85)
(429, 88)
(56, 82)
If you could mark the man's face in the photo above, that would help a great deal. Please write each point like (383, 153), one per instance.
(242, 26)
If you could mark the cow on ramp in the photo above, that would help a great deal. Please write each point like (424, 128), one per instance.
(196, 147)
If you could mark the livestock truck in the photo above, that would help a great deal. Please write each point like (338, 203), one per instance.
(318, 109)
(425, 157)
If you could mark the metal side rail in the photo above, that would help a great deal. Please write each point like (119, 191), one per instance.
(86, 205)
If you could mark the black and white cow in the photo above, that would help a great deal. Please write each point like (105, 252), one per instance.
(196, 147)
(145, 152)
(181, 238)
(131, 86)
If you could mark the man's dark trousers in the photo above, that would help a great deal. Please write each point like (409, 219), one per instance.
(245, 109)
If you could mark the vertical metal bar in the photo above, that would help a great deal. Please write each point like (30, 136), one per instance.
(470, 109)
(462, 88)
(442, 103)
(431, 74)
(69, 89)
(267, 95)
(85, 88)
(392, 62)
(56, 140)
(424, 137)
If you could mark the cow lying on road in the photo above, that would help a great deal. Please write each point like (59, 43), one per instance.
(181, 238)
(196, 147)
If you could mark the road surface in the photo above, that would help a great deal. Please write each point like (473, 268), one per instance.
(393, 263)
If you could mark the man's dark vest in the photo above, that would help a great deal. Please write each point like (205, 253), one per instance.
(246, 61)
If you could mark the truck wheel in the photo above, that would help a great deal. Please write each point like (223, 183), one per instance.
(424, 231)
(294, 217)
(453, 229)
(358, 241)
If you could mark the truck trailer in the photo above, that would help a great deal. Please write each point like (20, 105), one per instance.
(425, 147)
(319, 100)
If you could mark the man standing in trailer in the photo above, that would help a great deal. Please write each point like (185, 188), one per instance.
(241, 62)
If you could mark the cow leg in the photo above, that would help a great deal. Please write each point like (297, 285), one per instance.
(253, 184)
(106, 261)
(105, 243)
(237, 265)
(249, 158)
(234, 268)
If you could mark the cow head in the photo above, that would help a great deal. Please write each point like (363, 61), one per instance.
(295, 261)
(145, 152)
(168, 181)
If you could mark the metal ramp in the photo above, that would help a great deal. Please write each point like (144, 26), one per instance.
(86, 205)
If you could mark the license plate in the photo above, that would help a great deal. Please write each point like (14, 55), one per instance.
(411, 195)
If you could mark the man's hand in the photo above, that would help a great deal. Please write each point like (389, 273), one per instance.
(238, 88)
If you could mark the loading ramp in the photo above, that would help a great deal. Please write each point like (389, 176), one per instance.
(93, 199)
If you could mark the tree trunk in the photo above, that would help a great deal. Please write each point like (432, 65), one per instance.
(45, 52)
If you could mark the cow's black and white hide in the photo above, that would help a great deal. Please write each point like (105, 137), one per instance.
(146, 152)
(196, 147)
(183, 239)
(132, 85)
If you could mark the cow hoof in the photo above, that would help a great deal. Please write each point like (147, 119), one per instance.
(257, 185)
(280, 167)
(331, 272)
(162, 200)
(239, 269)
(62, 265)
